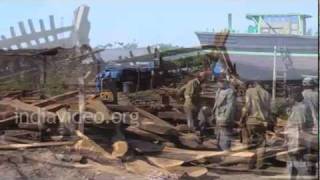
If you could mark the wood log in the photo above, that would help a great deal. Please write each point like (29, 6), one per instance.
(119, 148)
(119, 144)
(99, 107)
(89, 146)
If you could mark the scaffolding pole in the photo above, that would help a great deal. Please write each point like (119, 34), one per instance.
(274, 81)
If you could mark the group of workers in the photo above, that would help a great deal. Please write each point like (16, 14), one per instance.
(256, 118)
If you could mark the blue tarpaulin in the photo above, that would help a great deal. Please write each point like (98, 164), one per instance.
(217, 69)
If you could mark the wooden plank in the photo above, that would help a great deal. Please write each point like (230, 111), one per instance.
(53, 99)
(120, 108)
(145, 134)
(191, 171)
(34, 145)
(143, 168)
(6, 114)
(18, 140)
(23, 107)
(55, 107)
(236, 158)
(58, 163)
(152, 123)
(164, 163)
(172, 115)
(33, 31)
(237, 170)
(194, 155)
(287, 177)
(53, 27)
(188, 155)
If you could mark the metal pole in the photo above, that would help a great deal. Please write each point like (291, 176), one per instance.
(274, 81)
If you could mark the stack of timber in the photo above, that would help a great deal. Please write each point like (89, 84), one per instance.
(152, 143)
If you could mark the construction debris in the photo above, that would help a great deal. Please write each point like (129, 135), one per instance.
(156, 145)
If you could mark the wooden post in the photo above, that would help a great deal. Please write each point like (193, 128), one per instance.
(43, 75)
(82, 100)
(274, 81)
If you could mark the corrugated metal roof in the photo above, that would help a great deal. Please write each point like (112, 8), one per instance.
(115, 54)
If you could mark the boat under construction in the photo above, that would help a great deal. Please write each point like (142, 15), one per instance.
(283, 39)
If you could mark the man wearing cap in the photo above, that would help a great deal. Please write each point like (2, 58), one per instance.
(310, 96)
(191, 92)
(224, 112)
(256, 116)
(296, 126)
(310, 99)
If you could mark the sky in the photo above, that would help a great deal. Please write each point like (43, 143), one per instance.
(148, 22)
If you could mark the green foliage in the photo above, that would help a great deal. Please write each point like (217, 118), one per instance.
(17, 83)
(54, 86)
(195, 62)
(166, 47)
(279, 108)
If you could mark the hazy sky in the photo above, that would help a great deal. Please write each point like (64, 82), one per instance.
(149, 22)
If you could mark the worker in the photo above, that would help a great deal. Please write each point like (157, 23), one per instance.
(310, 96)
(224, 111)
(297, 124)
(256, 116)
(191, 92)
(244, 136)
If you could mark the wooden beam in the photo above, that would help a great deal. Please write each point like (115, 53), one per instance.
(145, 134)
(152, 123)
(54, 99)
(28, 108)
